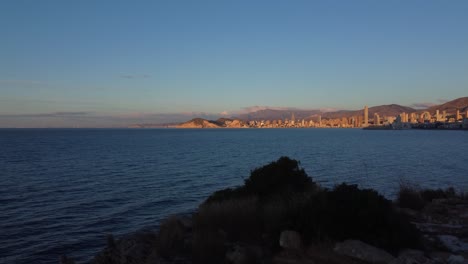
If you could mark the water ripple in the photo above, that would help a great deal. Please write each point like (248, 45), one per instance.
(62, 191)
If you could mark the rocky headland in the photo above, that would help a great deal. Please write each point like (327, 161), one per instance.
(281, 216)
(203, 123)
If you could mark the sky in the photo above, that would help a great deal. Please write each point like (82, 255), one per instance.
(113, 63)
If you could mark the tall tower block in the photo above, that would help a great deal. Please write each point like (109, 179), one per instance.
(366, 115)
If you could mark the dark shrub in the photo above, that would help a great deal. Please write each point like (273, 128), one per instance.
(171, 238)
(280, 177)
(227, 194)
(368, 216)
(283, 175)
(429, 194)
(288, 199)
(238, 218)
(208, 246)
(410, 197)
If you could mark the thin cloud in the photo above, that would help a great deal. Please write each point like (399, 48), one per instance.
(7, 81)
(256, 108)
(329, 109)
(135, 76)
(53, 114)
(422, 105)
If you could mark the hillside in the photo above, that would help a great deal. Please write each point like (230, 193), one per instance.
(451, 106)
(198, 123)
(282, 114)
(382, 110)
(273, 114)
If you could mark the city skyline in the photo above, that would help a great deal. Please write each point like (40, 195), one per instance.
(107, 64)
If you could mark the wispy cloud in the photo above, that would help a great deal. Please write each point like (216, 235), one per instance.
(250, 109)
(329, 109)
(424, 105)
(53, 114)
(13, 81)
(135, 76)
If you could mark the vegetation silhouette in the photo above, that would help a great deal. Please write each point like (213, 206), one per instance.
(281, 196)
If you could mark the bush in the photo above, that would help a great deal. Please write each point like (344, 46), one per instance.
(281, 177)
(409, 196)
(413, 197)
(208, 247)
(237, 218)
(280, 196)
(428, 194)
(171, 238)
(227, 194)
(368, 216)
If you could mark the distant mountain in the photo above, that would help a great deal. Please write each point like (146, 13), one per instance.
(451, 107)
(382, 110)
(273, 114)
(270, 114)
(276, 114)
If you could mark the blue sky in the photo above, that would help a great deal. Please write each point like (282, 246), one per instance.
(106, 63)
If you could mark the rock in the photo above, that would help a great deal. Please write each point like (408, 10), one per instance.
(453, 243)
(290, 240)
(363, 251)
(439, 256)
(132, 248)
(456, 259)
(237, 256)
(410, 256)
(245, 254)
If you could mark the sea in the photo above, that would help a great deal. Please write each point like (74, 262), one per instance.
(63, 190)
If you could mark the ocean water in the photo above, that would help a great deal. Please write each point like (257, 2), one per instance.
(62, 191)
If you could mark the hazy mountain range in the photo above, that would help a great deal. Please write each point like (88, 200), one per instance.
(286, 113)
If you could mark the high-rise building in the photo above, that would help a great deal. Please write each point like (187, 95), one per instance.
(458, 117)
(376, 119)
(366, 115)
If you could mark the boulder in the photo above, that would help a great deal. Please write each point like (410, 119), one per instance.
(456, 259)
(410, 256)
(290, 240)
(453, 243)
(363, 251)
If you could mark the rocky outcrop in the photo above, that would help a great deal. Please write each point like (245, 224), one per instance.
(198, 123)
(235, 124)
(203, 123)
(131, 249)
(444, 225)
(360, 250)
